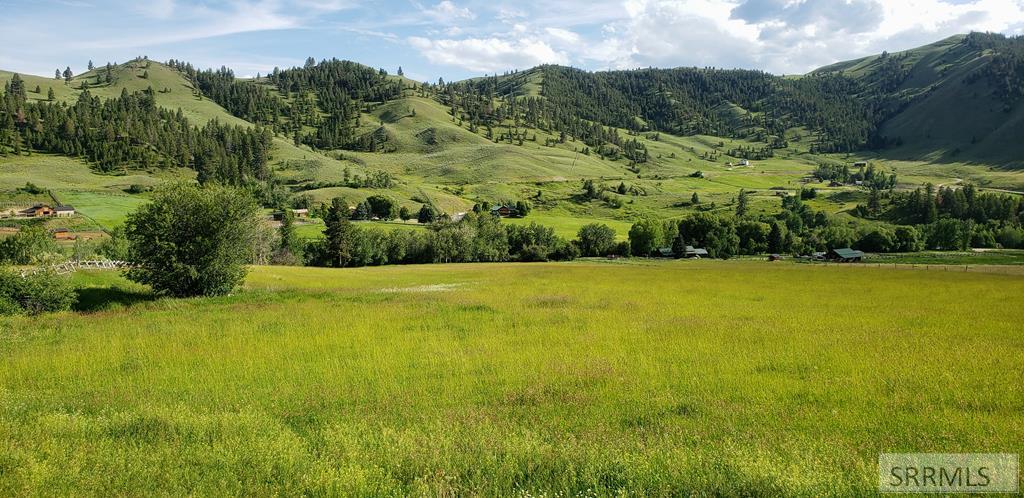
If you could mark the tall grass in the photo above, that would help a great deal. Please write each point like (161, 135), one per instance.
(585, 378)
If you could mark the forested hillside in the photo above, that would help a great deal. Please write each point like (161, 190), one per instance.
(876, 103)
(131, 130)
(954, 100)
(324, 98)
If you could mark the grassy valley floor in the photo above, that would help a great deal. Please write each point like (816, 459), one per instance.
(583, 378)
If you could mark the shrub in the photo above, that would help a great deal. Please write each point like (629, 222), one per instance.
(564, 251)
(193, 241)
(1011, 238)
(116, 246)
(39, 292)
(9, 306)
(534, 252)
(31, 245)
(878, 240)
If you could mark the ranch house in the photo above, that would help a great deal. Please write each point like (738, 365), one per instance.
(299, 213)
(504, 211)
(45, 210)
(37, 211)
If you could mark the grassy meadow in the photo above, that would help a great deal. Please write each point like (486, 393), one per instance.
(587, 378)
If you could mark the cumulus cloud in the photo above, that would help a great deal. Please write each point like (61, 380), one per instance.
(472, 36)
(853, 16)
(489, 55)
(786, 36)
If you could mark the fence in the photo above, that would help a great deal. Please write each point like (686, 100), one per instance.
(73, 266)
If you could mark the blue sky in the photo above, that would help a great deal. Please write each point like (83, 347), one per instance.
(456, 39)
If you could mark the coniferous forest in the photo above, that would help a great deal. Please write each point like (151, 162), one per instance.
(132, 130)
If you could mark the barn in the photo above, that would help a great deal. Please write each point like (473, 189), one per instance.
(845, 255)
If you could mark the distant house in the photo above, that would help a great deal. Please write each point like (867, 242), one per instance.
(64, 211)
(665, 252)
(299, 213)
(504, 211)
(744, 162)
(37, 211)
(845, 255)
(695, 252)
(64, 234)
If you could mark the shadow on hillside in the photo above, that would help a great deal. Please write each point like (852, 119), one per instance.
(95, 299)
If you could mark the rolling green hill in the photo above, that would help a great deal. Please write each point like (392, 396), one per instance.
(536, 135)
(948, 113)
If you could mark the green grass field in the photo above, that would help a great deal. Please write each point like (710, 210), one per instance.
(589, 378)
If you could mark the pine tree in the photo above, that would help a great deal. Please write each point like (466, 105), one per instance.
(50, 95)
(362, 211)
(91, 67)
(426, 214)
(694, 199)
(287, 230)
(56, 74)
(742, 202)
(67, 75)
(339, 233)
(400, 72)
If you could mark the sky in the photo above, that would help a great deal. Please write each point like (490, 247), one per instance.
(456, 39)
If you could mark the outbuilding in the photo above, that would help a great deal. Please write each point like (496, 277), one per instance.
(845, 255)
(695, 252)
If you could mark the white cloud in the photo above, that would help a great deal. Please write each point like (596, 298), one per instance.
(781, 36)
(446, 12)
(785, 36)
(489, 55)
(563, 35)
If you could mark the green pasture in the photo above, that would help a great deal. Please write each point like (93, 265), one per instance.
(589, 378)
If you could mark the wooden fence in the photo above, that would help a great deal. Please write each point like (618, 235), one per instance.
(73, 266)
